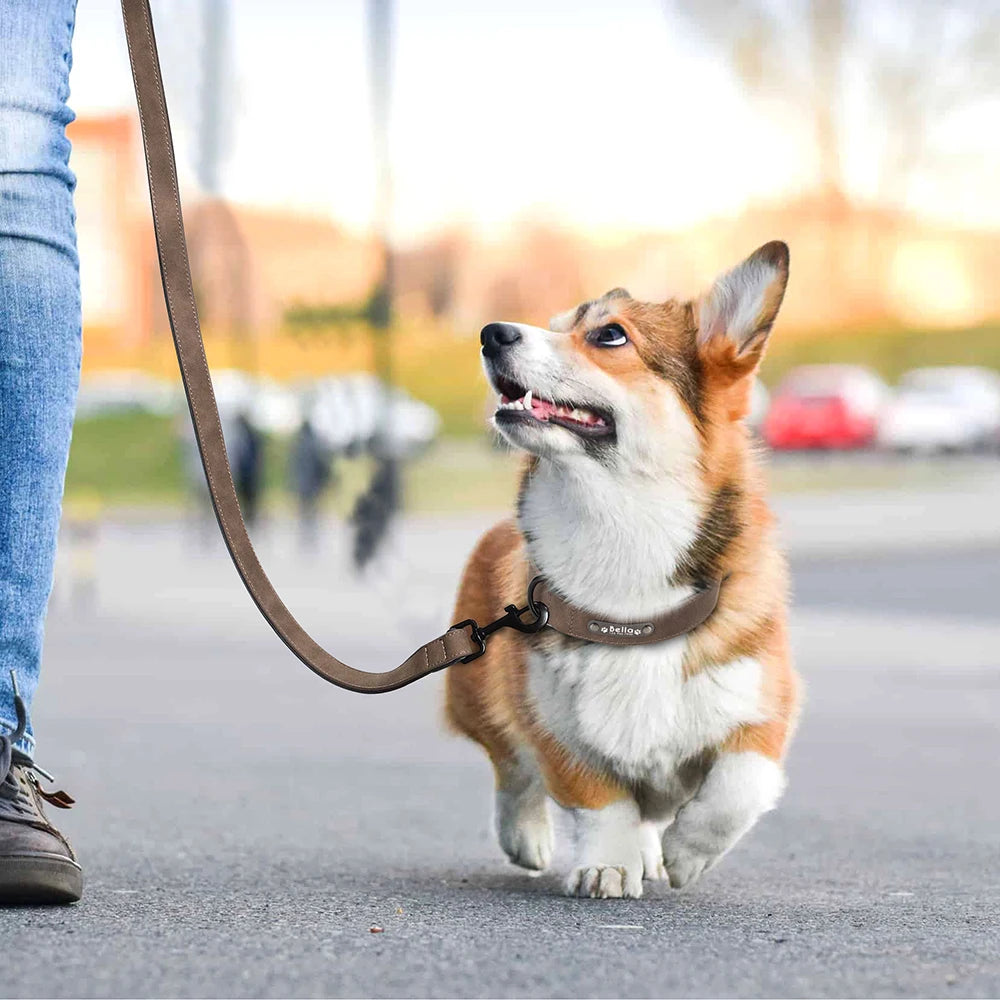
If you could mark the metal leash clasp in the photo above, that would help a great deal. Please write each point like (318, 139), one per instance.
(513, 618)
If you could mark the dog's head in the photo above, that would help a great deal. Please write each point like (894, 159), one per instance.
(636, 385)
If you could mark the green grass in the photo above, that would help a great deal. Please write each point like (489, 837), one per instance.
(125, 459)
(447, 374)
(889, 351)
(827, 473)
(462, 475)
(135, 460)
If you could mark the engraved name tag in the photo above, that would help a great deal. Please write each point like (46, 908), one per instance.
(614, 628)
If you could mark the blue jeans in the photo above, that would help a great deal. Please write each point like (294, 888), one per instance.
(39, 325)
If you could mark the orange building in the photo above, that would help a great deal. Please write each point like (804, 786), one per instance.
(109, 233)
(852, 265)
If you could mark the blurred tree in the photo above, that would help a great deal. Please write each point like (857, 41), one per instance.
(915, 63)
(942, 58)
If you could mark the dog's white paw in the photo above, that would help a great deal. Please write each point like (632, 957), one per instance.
(651, 850)
(685, 862)
(608, 860)
(738, 789)
(530, 843)
(525, 831)
(605, 882)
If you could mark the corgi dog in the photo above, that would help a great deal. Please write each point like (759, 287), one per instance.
(640, 483)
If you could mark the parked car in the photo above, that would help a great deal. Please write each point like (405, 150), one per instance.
(825, 406)
(951, 408)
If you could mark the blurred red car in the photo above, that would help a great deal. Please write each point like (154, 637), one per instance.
(825, 406)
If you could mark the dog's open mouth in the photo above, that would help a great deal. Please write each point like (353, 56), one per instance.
(520, 404)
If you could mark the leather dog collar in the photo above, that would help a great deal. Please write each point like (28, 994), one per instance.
(570, 620)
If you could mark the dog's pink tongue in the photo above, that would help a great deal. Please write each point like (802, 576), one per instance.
(541, 409)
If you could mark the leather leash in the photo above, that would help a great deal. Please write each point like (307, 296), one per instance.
(462, 642)
(175, 272)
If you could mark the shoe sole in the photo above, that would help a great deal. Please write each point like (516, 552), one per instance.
(39, 881)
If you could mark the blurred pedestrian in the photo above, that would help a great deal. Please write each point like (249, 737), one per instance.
(310, 467)
(245, 447)
(39, 374)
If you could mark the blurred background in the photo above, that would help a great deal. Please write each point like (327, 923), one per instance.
(367, 184)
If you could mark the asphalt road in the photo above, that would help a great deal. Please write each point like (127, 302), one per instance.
(243, 825)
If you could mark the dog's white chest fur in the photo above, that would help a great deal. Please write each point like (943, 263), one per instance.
(633, 709)
(612, 545)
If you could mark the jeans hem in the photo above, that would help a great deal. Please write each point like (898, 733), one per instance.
(26, 744)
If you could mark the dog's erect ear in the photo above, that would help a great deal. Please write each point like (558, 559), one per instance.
(735, 317)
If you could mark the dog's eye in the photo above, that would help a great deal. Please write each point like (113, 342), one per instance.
(611, 335)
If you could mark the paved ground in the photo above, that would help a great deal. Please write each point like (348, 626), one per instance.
(243, 825)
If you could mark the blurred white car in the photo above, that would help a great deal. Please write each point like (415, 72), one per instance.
(356, 413)
(267, 404)
(276, 409)
(950, 408)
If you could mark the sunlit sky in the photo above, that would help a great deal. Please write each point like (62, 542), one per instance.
(607, 116)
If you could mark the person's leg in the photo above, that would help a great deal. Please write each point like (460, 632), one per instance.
(39, 326)
(39, 370)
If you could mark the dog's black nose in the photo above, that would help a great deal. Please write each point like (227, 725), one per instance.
(496, 336)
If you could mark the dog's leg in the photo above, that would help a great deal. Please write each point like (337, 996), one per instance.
(737, 790)
(523, 824)
(651, 849)
(659, 799)
(609, 861)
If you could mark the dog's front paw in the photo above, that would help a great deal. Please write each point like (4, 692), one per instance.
(530, 843)
(605, 882)
(684, 861)
(525, 832)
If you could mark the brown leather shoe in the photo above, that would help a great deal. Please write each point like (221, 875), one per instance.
(37, 865)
